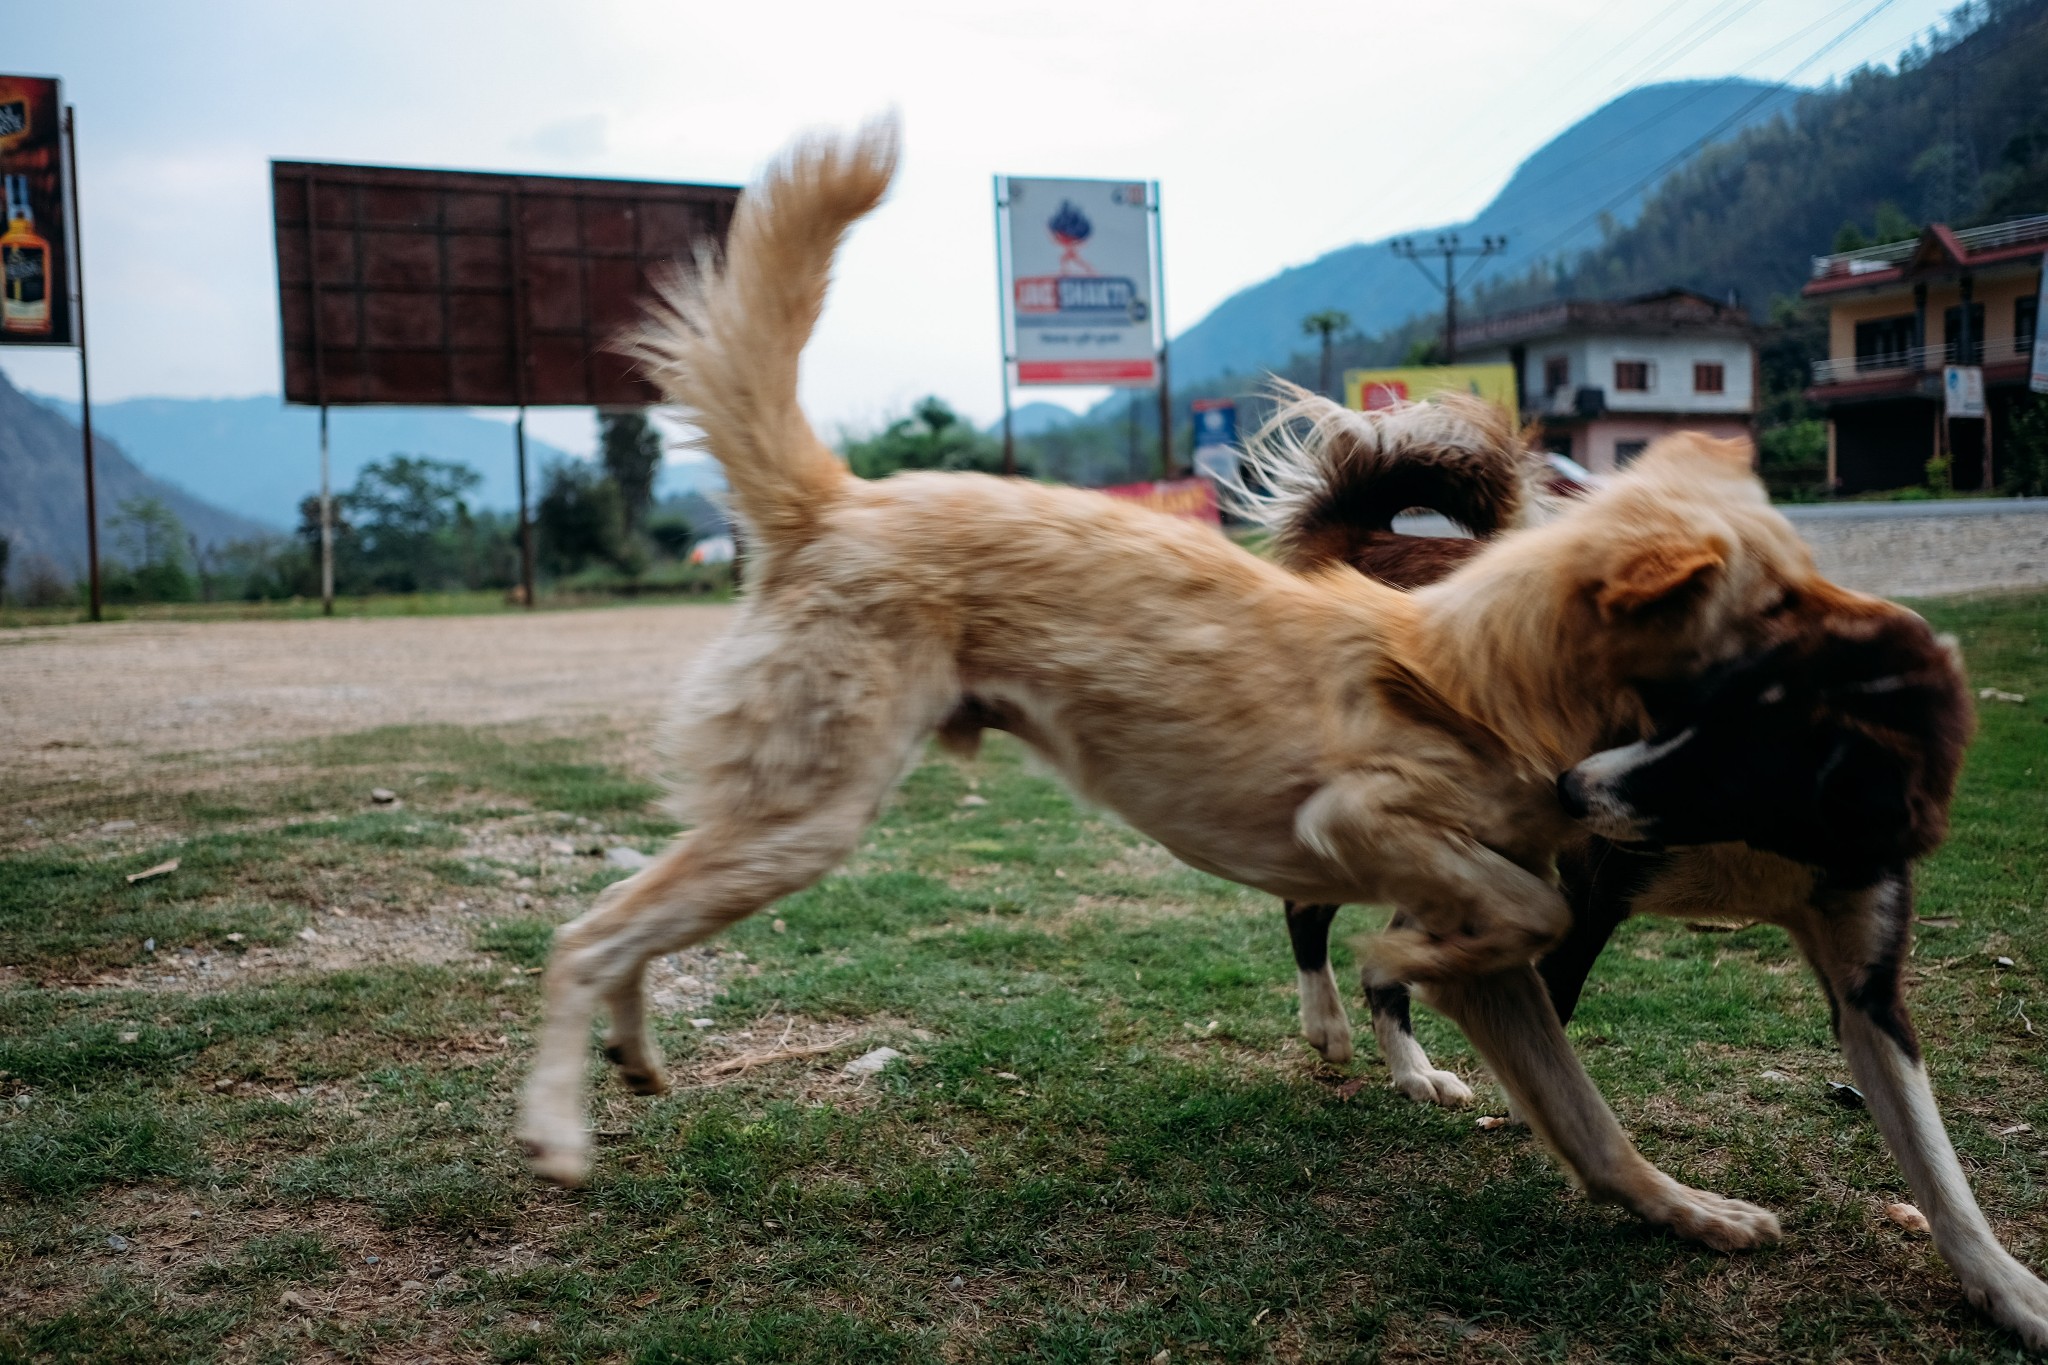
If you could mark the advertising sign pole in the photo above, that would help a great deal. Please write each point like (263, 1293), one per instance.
(525, 521)
(1003, 326)
(92, 512)
(1159, 311)
(326, 526)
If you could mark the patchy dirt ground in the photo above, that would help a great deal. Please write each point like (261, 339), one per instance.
(79, 697)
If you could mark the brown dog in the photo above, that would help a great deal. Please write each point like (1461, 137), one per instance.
(1159, 668)
(1795, 786)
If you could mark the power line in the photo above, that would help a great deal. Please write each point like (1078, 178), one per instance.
(1437, 151)
(1743, 112)
(1561, 172)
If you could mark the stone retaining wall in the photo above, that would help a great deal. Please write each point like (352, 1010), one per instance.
(1906, 549)
(1929, 549)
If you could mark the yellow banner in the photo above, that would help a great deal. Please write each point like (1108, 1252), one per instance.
(1367, 389)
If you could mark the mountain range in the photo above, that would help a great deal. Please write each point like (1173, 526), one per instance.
(42, 492)
(257, 458)
(1553, 206)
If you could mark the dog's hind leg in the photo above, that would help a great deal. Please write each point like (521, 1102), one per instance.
(1509, 1020)
(1857, 942)
(715, 876)
(1323, 1021)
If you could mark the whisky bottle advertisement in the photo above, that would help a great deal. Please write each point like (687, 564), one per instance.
(35, 274)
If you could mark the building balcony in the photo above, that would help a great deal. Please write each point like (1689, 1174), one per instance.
(1892, 256)
(1918, 360)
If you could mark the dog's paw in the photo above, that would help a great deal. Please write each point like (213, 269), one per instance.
(1334, 1047)
(1717, 1221)
(556, 1153)
(2015, 1299)
(568, 1167)
(642, 1074)
(1440, 1088)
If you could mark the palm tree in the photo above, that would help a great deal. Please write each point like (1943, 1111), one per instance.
(1328, 323)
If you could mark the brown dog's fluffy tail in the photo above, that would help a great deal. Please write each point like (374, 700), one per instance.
(1329, 480)
(723, 343)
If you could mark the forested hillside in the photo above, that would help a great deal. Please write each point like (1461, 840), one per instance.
(1957, 131)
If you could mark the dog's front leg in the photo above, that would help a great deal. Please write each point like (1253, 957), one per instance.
(1509, 1020)
(1467, 910)
(1857, 944)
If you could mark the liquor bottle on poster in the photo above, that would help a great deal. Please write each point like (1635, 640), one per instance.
(25, 260)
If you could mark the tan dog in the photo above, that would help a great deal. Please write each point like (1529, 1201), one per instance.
(1161, 670)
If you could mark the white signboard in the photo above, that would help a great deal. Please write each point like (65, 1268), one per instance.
(2037, 380)
(1963, 386)
(1078, 270)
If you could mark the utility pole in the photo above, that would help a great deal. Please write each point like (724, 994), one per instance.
(1448, 247)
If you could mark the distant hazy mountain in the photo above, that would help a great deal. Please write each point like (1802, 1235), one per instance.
(1549, 207)
(42, 490)
(257, 457)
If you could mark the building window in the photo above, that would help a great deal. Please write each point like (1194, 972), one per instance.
(1557, 373)
(1625, 452)
(1632, 376)
(1709, 378)
(2026, 318)
(1882, 343)
(1952, 334)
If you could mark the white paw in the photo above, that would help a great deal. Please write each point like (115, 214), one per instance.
(2015, 1300)
(1434, 1087)
(1717, 1221)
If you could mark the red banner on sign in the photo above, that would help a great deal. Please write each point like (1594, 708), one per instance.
(1132, 372)
(1194, 499)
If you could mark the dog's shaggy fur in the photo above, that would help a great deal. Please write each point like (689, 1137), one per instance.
(1793, 786)
(1160, 669)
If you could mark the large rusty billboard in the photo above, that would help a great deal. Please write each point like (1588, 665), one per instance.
(470, 289)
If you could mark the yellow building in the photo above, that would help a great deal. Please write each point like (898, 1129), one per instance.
(1898, 316)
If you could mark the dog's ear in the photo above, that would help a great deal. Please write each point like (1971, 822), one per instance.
(1649, 576)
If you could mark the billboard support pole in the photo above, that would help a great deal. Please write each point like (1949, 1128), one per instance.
(326, 525)
(1003, 327)
(92, 510)
(1159, 307)
(525, 521)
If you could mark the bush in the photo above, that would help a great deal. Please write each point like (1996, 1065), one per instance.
(2025, 457)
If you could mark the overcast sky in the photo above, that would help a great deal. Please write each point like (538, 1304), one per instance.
(1278, 130)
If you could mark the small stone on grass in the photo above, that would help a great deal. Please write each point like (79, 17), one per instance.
(868, 1063)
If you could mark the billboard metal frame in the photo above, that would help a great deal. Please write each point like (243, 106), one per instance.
(68, 327)
(1006, 319)
(437, 288)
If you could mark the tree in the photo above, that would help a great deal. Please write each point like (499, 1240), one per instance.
(1328, 323)
(149, 542)
(579, 519)
(409, 519)
(932, 437)
(630, 449)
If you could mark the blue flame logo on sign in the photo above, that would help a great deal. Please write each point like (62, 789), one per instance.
(1077, 289)
(1070, 227)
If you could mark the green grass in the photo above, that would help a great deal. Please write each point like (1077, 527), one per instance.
(1107, 1140)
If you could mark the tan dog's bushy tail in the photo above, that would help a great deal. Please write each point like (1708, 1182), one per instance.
(1330, 478)
(723, 343)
